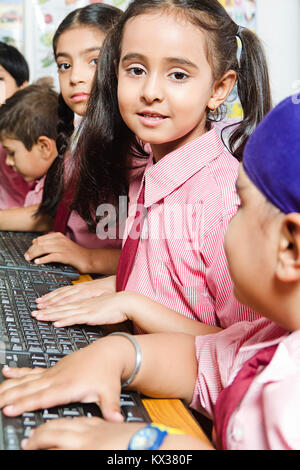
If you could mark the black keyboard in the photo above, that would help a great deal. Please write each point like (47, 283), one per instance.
(26, 342)
(19, 331)
(13, 246)
(13, 430)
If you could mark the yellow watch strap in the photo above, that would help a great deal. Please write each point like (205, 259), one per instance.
(169, 429)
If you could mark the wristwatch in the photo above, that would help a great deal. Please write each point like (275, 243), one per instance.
(150, 437)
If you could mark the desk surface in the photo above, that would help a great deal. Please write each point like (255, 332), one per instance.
(170, 412)
(173, 413)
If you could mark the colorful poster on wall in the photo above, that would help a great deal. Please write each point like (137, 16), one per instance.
(11, 23)
(243, 12)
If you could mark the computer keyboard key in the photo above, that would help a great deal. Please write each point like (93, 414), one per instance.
(50, 414)
(132, 414)
(39, 363)
(17, 347)
(52, 350)
(11, 438)
(70, 413)
(33, 348)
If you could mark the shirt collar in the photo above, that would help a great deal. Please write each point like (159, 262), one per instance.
(286, 360)
(177, 167)
(264, 344)
(37, 185)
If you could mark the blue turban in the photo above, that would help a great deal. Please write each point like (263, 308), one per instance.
(272, 156)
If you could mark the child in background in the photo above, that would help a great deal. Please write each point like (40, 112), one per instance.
(166, 99)
(14, 75)
(76, 46)
(28, 123)
(250, 383)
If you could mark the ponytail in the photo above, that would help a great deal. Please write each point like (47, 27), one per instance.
(253, 89)
(55, 174)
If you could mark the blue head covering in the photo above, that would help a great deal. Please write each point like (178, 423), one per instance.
(272, 156)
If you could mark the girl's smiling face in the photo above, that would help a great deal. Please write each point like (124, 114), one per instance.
(165, 82)
(77, 62)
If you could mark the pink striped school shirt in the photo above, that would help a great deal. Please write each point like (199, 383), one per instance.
(269, 413)
(77, 229)
(13, 187)
(35, 196)
(190, 197)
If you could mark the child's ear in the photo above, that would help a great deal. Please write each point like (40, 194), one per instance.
(46, 147)
(288, 261)
(221, 90)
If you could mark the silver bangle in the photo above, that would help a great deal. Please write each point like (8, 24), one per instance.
(138, 355)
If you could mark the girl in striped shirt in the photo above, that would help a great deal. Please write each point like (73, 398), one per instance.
(165, 73)
(70, 242)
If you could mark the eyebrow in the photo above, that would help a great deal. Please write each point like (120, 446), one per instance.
(170, 60)
(85, 51)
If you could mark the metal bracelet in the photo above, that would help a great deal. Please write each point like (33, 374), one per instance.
(138, 358)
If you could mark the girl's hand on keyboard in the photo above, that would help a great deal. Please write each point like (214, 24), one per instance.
(111, 308)
(91, 375)
(57, 248)
(81, 434)
(97, 434)
(102, 310)
(77, 292)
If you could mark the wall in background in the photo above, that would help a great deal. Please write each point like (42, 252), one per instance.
(29, 24)
(278, 26)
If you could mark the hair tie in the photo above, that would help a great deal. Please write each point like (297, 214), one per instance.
(238, 33)
(240, 46)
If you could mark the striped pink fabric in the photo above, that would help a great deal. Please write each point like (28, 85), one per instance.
(268, 416)
(76, 229)
(35, 196)
(13, 188)
(221, 356)
(190, 197)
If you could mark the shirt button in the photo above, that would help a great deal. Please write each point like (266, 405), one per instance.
(238, 433)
